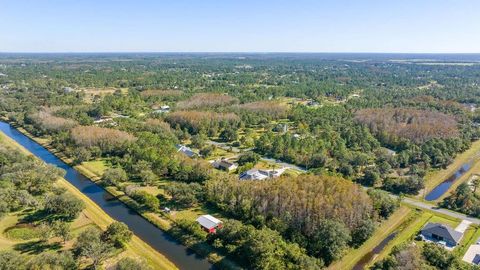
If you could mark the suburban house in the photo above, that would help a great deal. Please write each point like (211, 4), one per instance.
(473, 254)
(441, 234)
(105, 120)
(163, 109)
(312, 103)
(256, 174)
(224, 164)
(209, 223)
(67, 90)
(185, 150)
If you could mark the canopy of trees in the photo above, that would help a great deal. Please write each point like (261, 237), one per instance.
(413, 124)
(297, 207)
(194, 121)
(106, 139)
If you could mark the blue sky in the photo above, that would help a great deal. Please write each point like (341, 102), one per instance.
(422, 26)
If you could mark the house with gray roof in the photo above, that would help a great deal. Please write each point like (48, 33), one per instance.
(442, 234)
(186, 150)
(224, 164)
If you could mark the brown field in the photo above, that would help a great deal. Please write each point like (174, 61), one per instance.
(202, 100)
(273, 108)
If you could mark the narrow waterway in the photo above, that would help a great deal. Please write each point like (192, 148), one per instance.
(439, 190)
(376, 250)
(180, 255)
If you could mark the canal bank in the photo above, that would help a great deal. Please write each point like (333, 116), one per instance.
(135, 248)
(181, 256)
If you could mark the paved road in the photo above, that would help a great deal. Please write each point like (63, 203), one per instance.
(434, 208)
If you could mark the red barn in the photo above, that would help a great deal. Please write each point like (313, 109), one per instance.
(209, 223)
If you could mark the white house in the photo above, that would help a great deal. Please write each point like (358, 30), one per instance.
(256, 174)
(163, 109)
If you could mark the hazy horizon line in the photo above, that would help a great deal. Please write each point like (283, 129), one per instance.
(228, 52)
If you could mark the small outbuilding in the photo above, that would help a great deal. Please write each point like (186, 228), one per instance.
(209, 223)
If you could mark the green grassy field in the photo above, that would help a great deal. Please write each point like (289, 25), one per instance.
(97, 166)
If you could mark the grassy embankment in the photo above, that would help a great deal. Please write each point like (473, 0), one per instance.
(434, 178)
(92, 214)
(94, 170)
(385, 229)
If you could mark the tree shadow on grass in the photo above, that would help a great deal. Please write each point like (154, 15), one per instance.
(36, 247)
(36, 216)
(42, 216)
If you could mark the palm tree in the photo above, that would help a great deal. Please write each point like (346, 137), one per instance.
(475, 184)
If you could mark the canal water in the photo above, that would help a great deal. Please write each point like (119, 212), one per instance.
(439, 190)
(376, 250)
(180, 255)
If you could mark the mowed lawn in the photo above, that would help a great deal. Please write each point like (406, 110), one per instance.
(136, 248)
